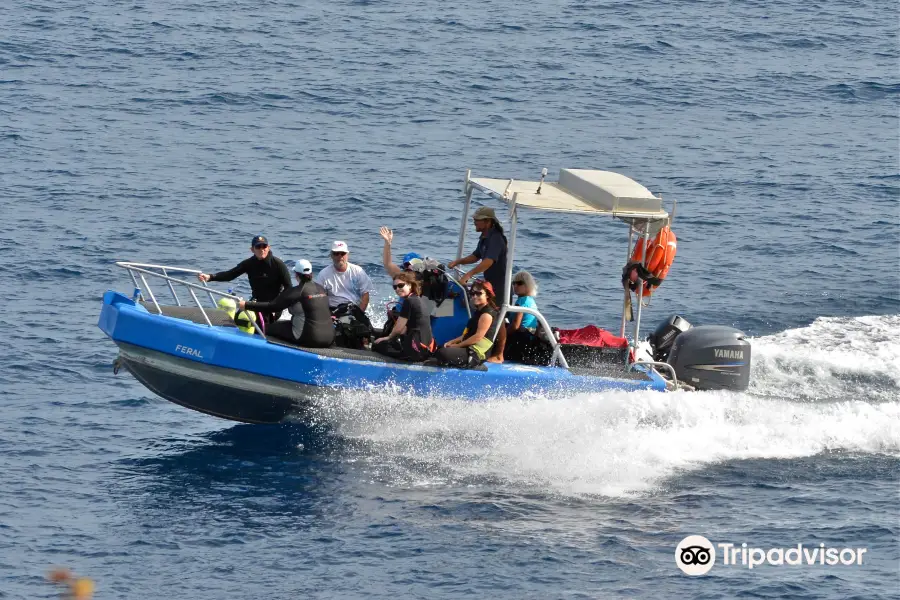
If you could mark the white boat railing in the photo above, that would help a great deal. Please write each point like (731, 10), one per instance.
(139, 271)
(655, 365)
(464, 289)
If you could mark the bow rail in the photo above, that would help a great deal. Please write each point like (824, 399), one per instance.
(139, 271)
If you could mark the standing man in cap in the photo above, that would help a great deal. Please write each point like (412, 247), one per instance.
(491, 251)
(267, 273)
(310, 323)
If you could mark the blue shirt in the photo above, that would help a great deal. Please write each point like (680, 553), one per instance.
(528, 321)
(493, 246)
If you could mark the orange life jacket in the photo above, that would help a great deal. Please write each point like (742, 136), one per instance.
(660, 252)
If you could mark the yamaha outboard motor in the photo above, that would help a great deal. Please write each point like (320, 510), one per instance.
(662, 339)
(712, 357)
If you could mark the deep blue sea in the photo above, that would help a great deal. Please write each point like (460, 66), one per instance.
(173, 132)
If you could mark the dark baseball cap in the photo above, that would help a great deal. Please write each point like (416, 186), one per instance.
(258, 240)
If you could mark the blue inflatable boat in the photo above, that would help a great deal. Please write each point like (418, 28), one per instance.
(197, 357)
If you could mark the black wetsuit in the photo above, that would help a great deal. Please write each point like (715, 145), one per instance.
(310, 323)
(417, 343)
(268, 277)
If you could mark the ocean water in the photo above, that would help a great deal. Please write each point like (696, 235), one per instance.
(173, 132)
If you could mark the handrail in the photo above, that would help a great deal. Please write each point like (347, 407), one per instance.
(465, 290)
(557, 355)
(165, 269)
(127, 264)
(145, 269)
(654, 363)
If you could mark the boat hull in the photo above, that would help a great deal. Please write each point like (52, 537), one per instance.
(221, 371)
(217, 391)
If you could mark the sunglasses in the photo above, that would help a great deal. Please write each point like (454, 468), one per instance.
(477, 293)
(339, 254)
(399, 286)
(261, 246)
(518, 283)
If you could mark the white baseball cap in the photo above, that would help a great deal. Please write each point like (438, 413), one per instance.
(339, 246)
(301, 265)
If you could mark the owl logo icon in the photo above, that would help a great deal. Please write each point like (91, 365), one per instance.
(695, 555)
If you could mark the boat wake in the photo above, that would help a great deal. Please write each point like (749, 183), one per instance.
(831, 359)
(830, 387)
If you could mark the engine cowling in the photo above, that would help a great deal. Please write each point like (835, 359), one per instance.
(712, 357)
(663, 337)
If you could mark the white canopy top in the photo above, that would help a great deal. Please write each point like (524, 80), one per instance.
(580, 191)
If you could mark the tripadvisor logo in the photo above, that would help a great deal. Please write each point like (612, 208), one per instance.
(696, 555)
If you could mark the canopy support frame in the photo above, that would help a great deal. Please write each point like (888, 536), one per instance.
(634, 218)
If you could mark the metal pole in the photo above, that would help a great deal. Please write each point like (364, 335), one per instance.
(661, 365)
(557, 348)
(558, 354)
(511, 250)
(134, 279)
(465, 293)
(640, 298)
(152, 297)
(627, 291)
(209, 293)
(200, 306)
(171, 288)
(465, 216)
(510, 253)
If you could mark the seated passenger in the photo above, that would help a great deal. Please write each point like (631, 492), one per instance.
(344, 281)
(522, 343)
(525, 289)
(411, 338)
(412, 263)
(348, 289)
(471, 348)
(310, 323)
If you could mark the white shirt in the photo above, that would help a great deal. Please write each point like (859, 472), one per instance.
(348, 286)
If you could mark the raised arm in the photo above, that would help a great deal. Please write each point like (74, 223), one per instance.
(392, 269)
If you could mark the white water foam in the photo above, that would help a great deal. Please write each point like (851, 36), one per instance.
(619, 443)
(831, 358)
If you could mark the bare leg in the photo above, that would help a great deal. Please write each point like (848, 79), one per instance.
(498, 347)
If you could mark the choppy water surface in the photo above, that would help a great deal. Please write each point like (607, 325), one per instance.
(173, 132)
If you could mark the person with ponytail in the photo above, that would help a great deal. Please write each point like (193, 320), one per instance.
(411, 338)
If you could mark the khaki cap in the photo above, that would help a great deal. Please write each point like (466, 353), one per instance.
(485, 213)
